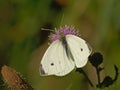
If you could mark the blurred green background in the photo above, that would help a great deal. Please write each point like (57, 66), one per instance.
(22, 43)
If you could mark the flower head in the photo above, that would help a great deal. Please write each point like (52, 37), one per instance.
(63, 31)
(96, 59)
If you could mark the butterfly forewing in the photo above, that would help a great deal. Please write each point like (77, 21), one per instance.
(55, 61)
(50, 61)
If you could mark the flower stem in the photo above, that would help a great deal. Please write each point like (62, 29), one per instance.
(98, 76)
(82, 71)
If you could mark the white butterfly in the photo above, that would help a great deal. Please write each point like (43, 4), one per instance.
(63, 55)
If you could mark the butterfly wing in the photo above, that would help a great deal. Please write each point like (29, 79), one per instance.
(67, 63)
(55, 61)
(79, 49)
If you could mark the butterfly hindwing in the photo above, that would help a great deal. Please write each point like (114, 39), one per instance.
(79, 49)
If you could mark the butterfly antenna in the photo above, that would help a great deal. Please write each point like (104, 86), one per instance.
(47, 29)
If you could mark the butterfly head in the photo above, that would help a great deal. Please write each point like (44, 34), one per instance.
(62, 32)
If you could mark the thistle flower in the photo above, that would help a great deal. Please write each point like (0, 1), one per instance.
(63, 31)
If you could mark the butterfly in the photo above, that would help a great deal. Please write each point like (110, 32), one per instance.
(66, 52)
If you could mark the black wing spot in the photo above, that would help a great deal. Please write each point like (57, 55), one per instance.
(52, 64)
(81, 49)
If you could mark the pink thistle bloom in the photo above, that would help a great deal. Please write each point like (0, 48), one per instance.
(63, 31)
